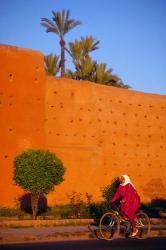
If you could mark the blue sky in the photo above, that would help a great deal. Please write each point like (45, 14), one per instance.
(132, 34)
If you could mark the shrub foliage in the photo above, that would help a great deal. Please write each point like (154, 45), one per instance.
(37, 171)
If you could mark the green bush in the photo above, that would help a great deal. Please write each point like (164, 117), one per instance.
(109, 191)
(97, 210)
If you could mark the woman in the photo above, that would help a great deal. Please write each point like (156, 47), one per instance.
(130, 201)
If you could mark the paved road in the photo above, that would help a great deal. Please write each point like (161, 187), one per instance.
(121, 244)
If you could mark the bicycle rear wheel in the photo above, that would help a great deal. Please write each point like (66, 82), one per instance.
(109, 226)
(143, 225)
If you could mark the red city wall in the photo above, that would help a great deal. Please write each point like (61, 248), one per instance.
(22, 111)
(99, 132)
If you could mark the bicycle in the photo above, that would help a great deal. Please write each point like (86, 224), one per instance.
(112, 223)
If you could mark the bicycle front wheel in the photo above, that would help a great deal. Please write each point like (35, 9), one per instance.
(109, 226)
(143, 225)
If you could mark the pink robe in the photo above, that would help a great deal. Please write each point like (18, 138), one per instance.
(130, 200)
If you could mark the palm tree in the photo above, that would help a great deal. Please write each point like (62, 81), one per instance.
(60, 25)
(79, 51)
(52, 64)
(105, 76)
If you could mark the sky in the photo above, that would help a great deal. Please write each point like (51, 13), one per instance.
(132, 34)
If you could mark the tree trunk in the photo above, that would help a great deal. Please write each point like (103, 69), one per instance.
(34, 204)
(62, 44)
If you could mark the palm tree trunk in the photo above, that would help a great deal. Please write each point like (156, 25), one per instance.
(62, 44)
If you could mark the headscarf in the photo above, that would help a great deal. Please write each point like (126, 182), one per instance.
(127, 180)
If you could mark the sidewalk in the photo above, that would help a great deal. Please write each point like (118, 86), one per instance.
(68, 232)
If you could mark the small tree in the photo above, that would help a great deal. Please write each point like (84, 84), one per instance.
(37, 171)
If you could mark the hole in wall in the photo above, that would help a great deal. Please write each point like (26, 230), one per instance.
(10, 77)
(139, 105)
(55, 92)
(150, 106)
(99, 110)
(10, 129)
(5, 156)
(72, 93)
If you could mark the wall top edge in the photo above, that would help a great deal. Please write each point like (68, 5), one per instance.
(8, 48)
(100, 86)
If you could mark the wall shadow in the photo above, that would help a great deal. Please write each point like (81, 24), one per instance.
(25, 204)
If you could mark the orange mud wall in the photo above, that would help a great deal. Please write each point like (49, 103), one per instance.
(22, 111)
(98, 132)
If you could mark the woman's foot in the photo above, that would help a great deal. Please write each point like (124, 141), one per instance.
(134, 233)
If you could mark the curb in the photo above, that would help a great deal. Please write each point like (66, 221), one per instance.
(21, 231)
